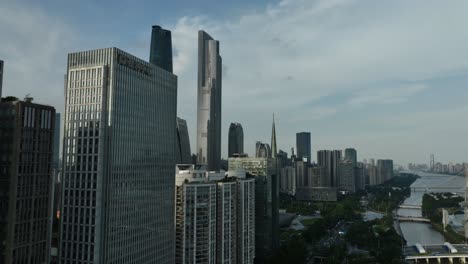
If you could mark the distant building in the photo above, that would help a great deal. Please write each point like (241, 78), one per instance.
(360, 177)
(274, 150)
(183, 155)
(161, 48)
(317, 177)
(262, 150)
(1, 77)
(324, 194)
(324, 160)
(266, 231)
(118, 160)
(303, 146)
(346, 176)
(26, 172)
(351, 155)
(335, 161)
(373, 175)
(235, 139)
(209, 102)
(287, 180)
(384, 170)
(302, 173)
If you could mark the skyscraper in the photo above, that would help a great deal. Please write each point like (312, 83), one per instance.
(303, 146)
(209, 102)
(266, 231)
(236, 139)
(351, 155)
(346, 176)
(1, 77)
(335, 161)
(215, 216)
(161, 48)
(184, 155)
(274, 151)
(56, 153)
(26, 143)
(324, 160)
(118, 160)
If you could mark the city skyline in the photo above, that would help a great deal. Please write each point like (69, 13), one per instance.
(397, 96)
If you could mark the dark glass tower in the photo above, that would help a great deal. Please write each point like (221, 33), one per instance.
(303, 146)
(236, 139)
(1, 77)
(161, 48)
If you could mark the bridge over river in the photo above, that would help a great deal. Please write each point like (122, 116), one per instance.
(445, 253)
(403, 218)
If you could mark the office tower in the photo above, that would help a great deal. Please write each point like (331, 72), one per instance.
(56, 153)
(118, 160)
(215, 216)
(346, 176)
(288, 180)
(351, 154)
(236, 139)
(265, 185)
(209, 102)
(183, 143)
(161, 48)
(1, 77)
(335, 160)
(262, 150)
(303, 146)
(282, 159)
(360, 176)
(384, 170)
(26, 143)
(273, 139)
(324, 160)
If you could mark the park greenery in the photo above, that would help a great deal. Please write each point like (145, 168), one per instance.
(377, 240)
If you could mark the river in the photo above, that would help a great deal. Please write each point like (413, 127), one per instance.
(420, 232)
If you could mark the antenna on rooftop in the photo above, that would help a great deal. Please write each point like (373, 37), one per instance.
(28, 98)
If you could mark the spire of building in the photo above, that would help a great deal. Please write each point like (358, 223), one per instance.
(273, 139)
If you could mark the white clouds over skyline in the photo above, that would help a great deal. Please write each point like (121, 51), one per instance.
(354, 73)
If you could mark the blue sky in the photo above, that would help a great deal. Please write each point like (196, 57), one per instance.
(386, 77)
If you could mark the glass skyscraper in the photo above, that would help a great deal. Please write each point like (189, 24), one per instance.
(303, 146)
(118, 160)
(161, 48)
(209, 102)
(236, 139)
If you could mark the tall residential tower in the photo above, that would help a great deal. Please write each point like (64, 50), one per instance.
(209, 102)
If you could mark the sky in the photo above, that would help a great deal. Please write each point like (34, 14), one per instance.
(388, 78)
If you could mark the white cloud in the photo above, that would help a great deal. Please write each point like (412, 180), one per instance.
(292, 55)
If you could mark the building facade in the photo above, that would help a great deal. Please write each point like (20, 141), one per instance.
(184, 156)
(26, 151)
(351, 154)
(266, 231)
(303, 146)
(346, 176)
(118, 160)
(209, 102)
(235, 139)
(215, 216)
(161, 48)
(324, 160)
(287, 180)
